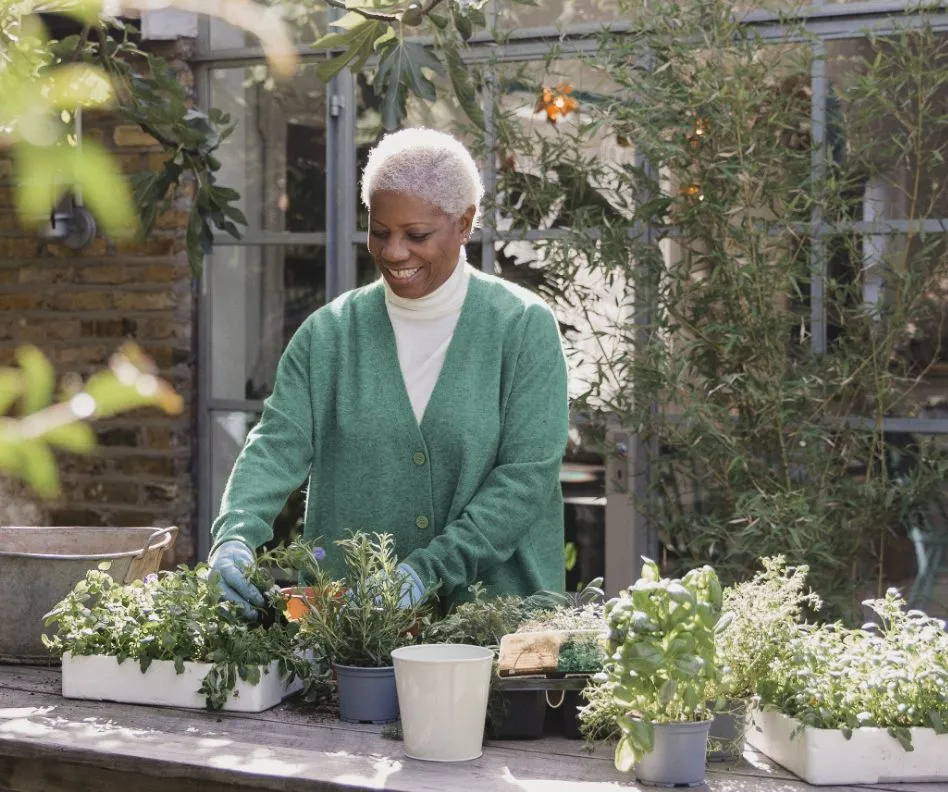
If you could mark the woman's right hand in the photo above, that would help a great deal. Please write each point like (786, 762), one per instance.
(230, 560)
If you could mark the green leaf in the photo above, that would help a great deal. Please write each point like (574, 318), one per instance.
(400, 69)
(105, 189)
(193, 238)
(38, 468)
(666, 693)
(350, 20)
(76, 437)
(625, 756)
(11, 385)
(77, 84)
(39, 378)
(37, 175)
(387, 36)
(464, 25)
(463, 85)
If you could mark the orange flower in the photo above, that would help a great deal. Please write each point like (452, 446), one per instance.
(556, 102)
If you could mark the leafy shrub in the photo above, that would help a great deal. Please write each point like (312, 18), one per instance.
(176, 616)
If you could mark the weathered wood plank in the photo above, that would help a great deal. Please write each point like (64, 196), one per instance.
(51, 744)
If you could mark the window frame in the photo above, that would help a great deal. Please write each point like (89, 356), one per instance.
(825, 21)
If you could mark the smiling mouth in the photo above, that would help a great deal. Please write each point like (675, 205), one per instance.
(403, 274)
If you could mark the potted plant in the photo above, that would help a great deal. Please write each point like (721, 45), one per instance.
(169, 639)
(564, 640)
(358, 622)
(759, 616)
(859, 705)
(660, 667)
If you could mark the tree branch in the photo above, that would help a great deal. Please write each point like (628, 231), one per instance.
(379, 15)
(390, 18)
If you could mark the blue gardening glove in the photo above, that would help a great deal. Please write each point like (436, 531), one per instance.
(413, 590)
(230, 559)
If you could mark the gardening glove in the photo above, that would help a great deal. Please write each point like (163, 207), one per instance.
(413, 590)
(230, 559)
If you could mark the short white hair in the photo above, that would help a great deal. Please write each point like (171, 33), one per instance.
(429, 164)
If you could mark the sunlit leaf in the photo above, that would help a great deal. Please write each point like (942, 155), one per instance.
(76, 437)
(76, 84)
(11, 384)
(38, 468)
(348, 21)
(40, 181)
(460, 76)
(105, 190)
(39, 378)
(625, 756)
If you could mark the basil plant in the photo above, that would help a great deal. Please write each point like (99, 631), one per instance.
(661, 654)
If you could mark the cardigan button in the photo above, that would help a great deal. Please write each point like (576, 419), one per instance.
(421, 522)
(418, 458)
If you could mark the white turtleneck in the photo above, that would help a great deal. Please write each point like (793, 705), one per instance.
(423, 330)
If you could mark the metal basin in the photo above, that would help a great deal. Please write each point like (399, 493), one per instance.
(39, 566)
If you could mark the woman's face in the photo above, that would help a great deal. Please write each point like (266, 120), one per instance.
(415, 245)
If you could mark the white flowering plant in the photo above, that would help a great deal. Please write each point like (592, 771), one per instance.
(177, 616)
(892, 674)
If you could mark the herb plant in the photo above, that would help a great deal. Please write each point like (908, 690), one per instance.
(482, 621)
(176, 616)
(359, 621)
(893, 675)
(661, 662)
(759, 618)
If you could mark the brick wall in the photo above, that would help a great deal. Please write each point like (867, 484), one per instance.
(78, 307)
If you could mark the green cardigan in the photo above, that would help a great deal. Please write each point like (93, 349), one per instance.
(472, 494)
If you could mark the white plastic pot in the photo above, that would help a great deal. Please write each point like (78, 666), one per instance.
(870, 756)
(442, 694)
(103, 678)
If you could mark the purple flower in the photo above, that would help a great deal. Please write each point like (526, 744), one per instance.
(319, 553)
(151, 578)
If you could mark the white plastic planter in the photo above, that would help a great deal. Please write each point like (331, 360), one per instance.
(870, 756)
(103, 678)
(442, 695)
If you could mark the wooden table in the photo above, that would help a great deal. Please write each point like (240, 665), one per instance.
(52, 744)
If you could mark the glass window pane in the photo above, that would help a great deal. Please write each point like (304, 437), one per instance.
(555, 13)
(276, 156)
(594, 308)
(259, 296)
(543, 115)
(886, 113)
(229, 431)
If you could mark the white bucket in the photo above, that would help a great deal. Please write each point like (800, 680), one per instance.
(442, 695)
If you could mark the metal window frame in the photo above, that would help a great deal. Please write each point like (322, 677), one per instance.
(824, 21)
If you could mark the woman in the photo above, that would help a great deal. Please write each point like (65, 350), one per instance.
(431, 404)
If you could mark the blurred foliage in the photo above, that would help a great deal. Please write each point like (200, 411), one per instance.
(678, 192)
(33, 424)
(45, 82)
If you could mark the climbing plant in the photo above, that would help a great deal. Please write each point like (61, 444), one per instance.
(679, 195)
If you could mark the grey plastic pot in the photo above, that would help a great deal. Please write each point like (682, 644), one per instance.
(366, 695)
(677, 758)
(726, 738)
